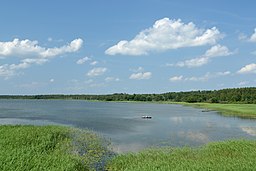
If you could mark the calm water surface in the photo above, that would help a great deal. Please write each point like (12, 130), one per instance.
(173, 125)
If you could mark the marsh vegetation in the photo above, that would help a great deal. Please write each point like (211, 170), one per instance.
(64, 148)
(239, 110)
(228, 155)
(51, 148)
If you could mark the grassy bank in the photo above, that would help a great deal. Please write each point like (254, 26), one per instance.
(63, 148)
(240, 110)
(229, 155)
(50, 148)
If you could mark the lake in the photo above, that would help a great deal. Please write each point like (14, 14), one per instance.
(173, 125)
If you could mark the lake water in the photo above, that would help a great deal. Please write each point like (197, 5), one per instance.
(173, 125)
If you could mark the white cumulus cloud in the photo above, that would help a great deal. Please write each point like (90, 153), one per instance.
(208, 76)
(195, 62)
(205, 77)
(111, 79)
(243, 83)
(250, 68)
(242, 36)
(176, 78)
(96, 72)
(31, 53)
(141, 76)
(9, 70)
(27, 48)
(222, 73)
(94, 63)
(253, 36)
(83, 60)
(6, 72)
(166, 34)
(215, 51)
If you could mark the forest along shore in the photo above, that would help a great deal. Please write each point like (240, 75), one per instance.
(239, 102)
(225, 96)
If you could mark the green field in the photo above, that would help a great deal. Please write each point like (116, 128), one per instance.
(229, 155)
(240, 110)
(50, 148)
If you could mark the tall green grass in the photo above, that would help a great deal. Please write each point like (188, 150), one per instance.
(229, 155)
(53, 148)
(50, 148)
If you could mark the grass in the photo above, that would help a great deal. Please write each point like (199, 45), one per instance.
(62, 148)
(50, 148)
(228, 155)
(240, 110)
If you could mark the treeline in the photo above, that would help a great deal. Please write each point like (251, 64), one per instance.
(234, 95)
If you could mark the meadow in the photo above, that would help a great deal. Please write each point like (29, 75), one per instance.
(64, 148)
(228, 155)
(51, 148)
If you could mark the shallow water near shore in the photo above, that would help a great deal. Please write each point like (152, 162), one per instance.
(122, 123)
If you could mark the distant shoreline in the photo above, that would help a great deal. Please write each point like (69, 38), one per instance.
(234, 95)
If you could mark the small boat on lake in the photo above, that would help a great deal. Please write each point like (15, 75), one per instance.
(146, 117)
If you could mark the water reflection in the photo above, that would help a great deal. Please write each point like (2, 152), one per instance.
(15, 121)
(176, 120)
(249, 130)
(127, 147)
(194, 136)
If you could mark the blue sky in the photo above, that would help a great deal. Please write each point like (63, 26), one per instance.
(142, 46)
